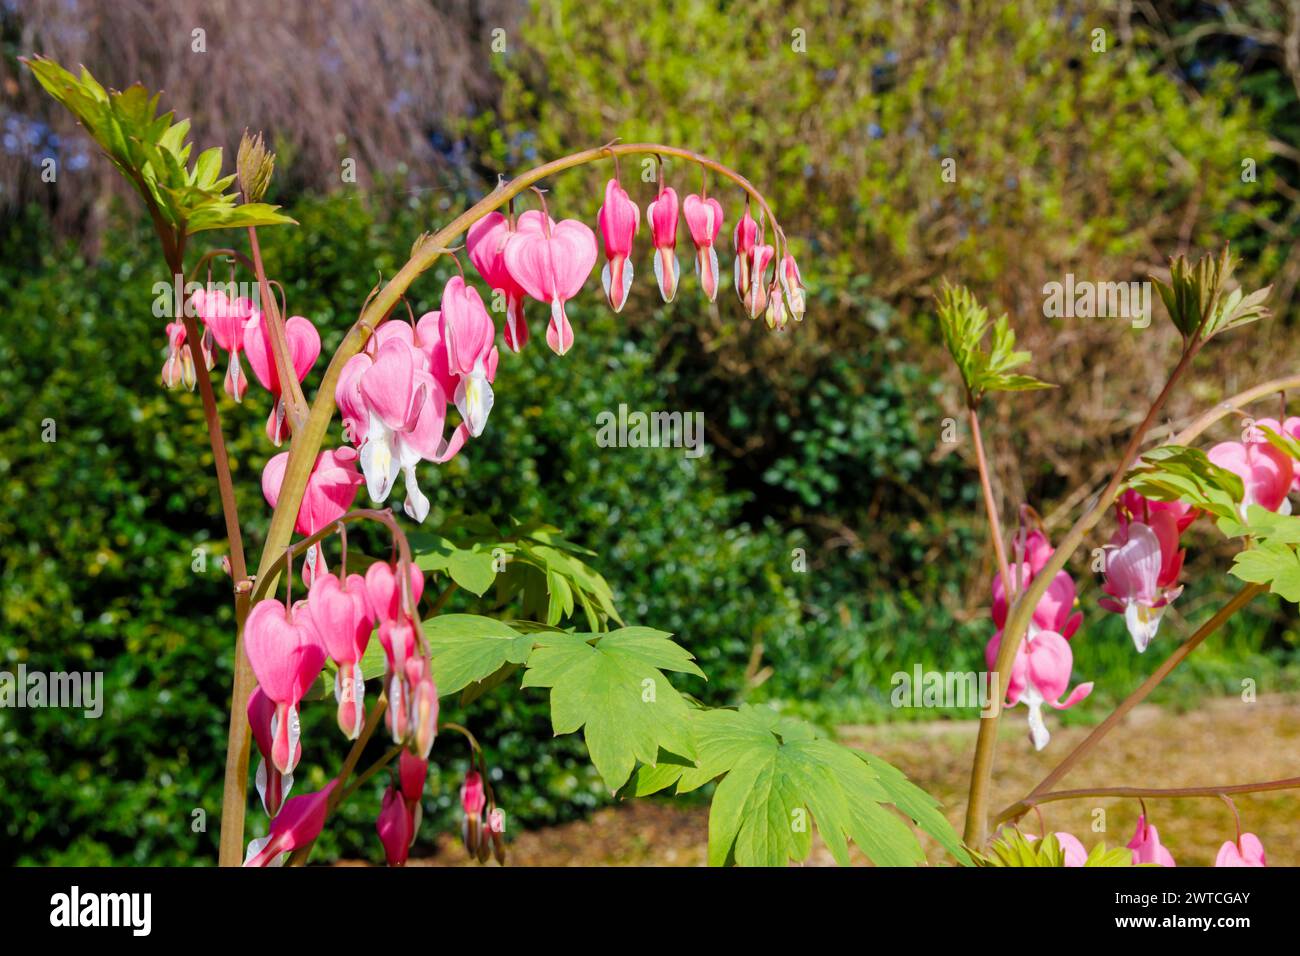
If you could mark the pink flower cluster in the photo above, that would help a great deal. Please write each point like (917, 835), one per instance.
(1147, 849)
(288, 649)
(394, 395)
(236, 325)
(1041, 669)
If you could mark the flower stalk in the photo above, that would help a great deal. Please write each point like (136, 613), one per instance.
(309, 435)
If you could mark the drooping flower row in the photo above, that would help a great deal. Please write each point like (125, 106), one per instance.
(288, 647)
(1147, 849)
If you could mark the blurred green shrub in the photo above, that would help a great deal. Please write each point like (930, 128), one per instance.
(99, 531)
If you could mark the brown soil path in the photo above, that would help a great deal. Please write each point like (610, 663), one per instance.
(1222, 741)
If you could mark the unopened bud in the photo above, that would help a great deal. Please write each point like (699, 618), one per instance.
(254, 166)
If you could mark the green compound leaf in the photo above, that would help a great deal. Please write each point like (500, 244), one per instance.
(153, 153)
(1273, 563)
(1013, 848)
(472, 566)
(612, 686)
(1178, 473)
(466, 649)
(964, 324)
(779, 776)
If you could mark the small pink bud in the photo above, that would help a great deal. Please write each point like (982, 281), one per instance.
(394, 828)
(298, 823)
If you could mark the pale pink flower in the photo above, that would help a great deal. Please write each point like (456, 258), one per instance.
(1287, 429)
(1265, 472)
(792, 283)
(661, 216)
(486, 244)
(704, 219)
(1246, 851)
(286, 656)
(395, 410)
(618, 221)
(179, 368)
(343, 619)
(272, 785)
(304, 348)
(331, 489)
(746, 237)
(756, 298)
(225, 319)
(550, 261)
(297, 824)
(1142, 566)
(1040, 674)
(1146, 845)
(468, 335)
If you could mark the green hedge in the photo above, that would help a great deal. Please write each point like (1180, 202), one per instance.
(98, 531)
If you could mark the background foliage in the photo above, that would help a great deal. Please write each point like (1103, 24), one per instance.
(827, 440)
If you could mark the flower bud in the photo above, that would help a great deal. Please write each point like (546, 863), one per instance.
(394, 828)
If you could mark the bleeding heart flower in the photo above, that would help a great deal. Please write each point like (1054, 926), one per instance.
(472, 802)
(550, 261)
(286, 657)
(661, 215)
(386, 598)
(179, 368)
(1287, 429)
(746, 237)
(394, 828)
(272, 785)
(331, 489)
(486, 244)
(1146, 845)
(1133, 506)
(1053, 612)
(704, 220)
(1071, 849)
(792, 284)
(297, 824)
(401, 648)
(404, 409)
(1247, 851)
(424, 709)
(756, 299)
(343, 619)
(1142, 564)
(1265, 471)
(1040, 674)
(777, 315)
(304, 348)
(468, 334)
(225, 319)
(618, 221)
